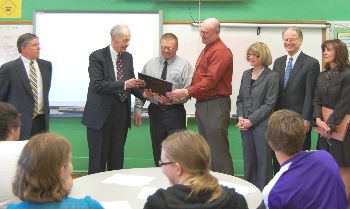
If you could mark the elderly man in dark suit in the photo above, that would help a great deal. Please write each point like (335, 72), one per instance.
(25, 83)
(107, 110)
(298, 73)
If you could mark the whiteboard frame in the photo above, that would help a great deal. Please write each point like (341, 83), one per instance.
(141, 47)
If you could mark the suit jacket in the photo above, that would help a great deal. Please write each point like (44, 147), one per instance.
(256, 102)
(103, 87)
(336, 96)
(15, 88)
(299, 92)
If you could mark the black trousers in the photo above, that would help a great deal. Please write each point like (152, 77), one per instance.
(306, 146)
(38, 125)
(106, 146)
(164, 120)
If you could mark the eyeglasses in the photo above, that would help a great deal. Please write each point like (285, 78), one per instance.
(204, 33)
(253, 55)
(167, 48)
(290, 40)
(160, 163)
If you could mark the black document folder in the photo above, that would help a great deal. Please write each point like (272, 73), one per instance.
(155, 84)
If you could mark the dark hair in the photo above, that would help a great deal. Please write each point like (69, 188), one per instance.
(286, 132)
(341, 53)
(38, 178)
(23, 40)
(9, 118)
(192, 152)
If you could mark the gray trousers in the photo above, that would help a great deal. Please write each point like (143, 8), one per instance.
(257, 156)
(213, 119)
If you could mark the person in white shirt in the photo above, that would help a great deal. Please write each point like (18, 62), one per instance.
(10, 150)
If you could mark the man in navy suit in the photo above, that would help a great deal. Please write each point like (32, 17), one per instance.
(107, 110)
(296, 90)
(29, 96)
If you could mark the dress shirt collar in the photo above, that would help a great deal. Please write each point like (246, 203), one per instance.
(295, 56)
(171, 60)
(114, 53)
(27, 61)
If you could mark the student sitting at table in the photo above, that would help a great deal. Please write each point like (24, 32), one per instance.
(307, 179)
(10, 149)
(43, 178)
(185, 161)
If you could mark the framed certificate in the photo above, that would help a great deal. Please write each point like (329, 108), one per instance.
(155, 84)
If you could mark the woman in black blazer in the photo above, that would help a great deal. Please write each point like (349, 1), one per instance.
(333, 92)
(255, 103)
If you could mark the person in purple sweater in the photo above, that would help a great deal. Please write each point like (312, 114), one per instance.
(307, 179)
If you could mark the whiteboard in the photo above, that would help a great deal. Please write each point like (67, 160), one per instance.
(8, 40)
(68, 38)
(238, 40)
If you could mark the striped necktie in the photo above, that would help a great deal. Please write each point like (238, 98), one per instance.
(289, 69)
(34, 84)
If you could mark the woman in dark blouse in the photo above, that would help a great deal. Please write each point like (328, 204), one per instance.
(333, 92)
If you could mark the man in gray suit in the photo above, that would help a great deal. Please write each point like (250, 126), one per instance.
(25, 83)
(298, 73)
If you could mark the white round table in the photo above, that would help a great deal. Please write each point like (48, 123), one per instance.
(129, 187)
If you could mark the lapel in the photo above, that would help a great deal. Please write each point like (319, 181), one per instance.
(109, 63)
(297, 66)
(338, 78)
(323, 85)
(280, 69)
(22, 74)
(125, 65)
(261, 77)
(44, 75)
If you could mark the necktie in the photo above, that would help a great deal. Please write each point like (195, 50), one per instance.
(120, 76)
(199, 58)
(165, 68)
(34, 85)
(288, 70)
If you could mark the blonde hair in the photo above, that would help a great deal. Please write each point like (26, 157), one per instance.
(262, 51)
(38, 178)
(192, 152)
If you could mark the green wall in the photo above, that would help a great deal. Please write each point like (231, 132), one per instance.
(242, 10)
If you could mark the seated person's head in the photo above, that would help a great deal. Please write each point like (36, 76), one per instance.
(44, 169)
(9, 122)
(286, 132)
(185, 159)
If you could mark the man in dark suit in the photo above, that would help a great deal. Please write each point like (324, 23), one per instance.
(107, 110)
(298, 74)
(25, 83)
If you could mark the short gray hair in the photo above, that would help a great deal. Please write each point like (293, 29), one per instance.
(296, 29)
(119, 29)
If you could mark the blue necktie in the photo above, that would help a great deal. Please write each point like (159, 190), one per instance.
(288, 70)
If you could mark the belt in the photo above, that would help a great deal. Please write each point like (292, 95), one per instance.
(211, 98)
(169, 107)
